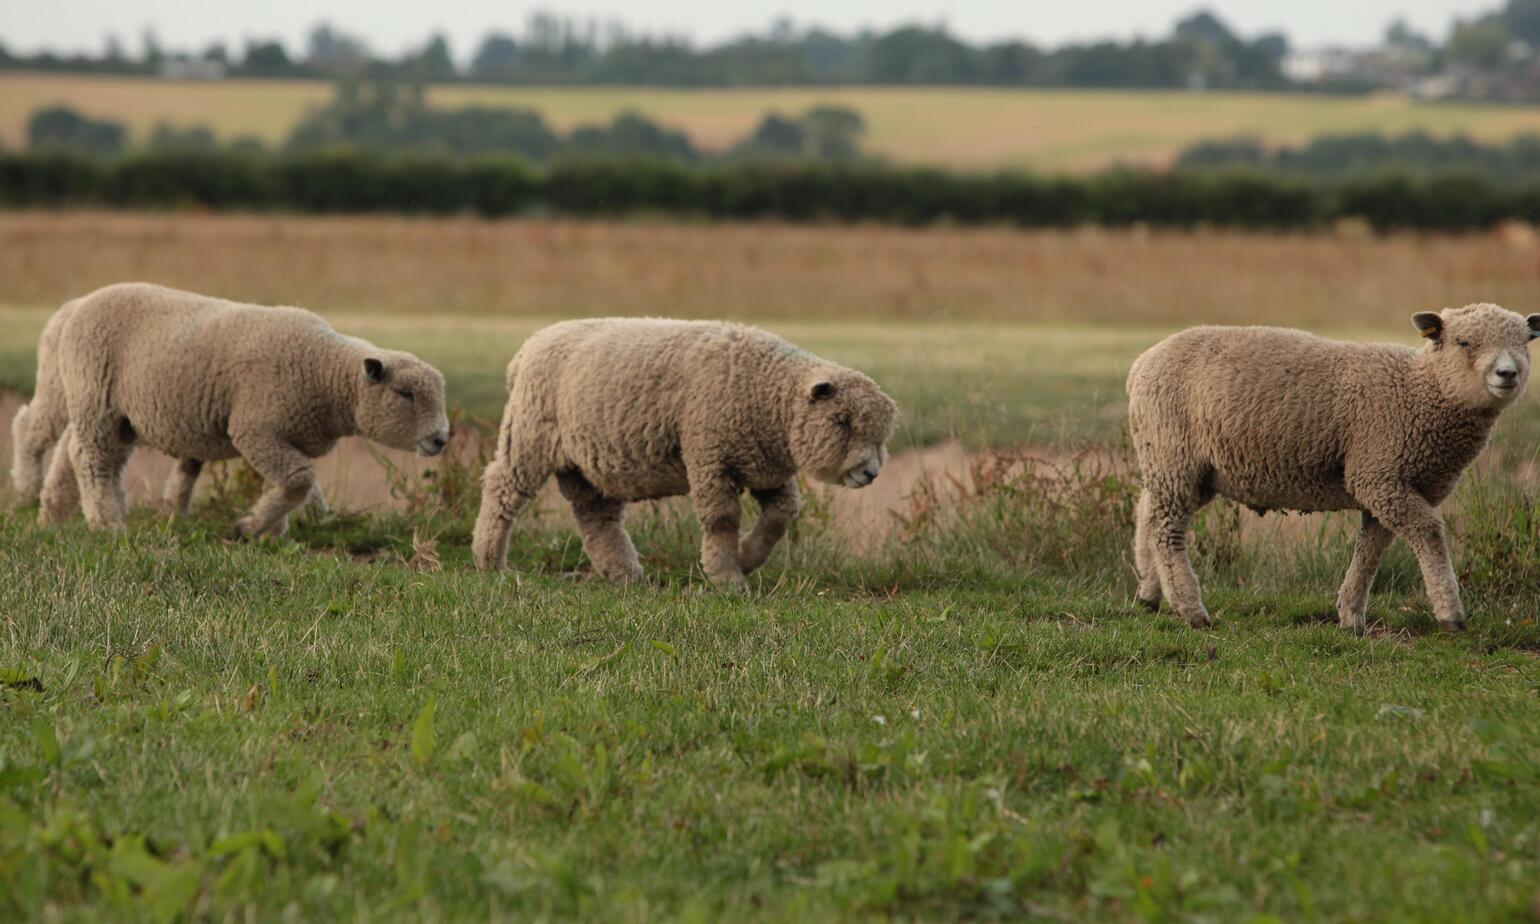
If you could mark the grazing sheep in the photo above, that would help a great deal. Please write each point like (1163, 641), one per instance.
(634, 409)
(201, 379)
(1280, 419)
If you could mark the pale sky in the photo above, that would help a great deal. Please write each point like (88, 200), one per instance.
(74, 25)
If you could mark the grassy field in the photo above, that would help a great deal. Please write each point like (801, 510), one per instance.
(968, 720)
(959, 127)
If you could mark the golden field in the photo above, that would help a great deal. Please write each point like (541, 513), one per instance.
(973, 128)
(562, 268)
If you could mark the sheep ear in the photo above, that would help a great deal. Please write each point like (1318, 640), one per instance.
(821, 391)
(374, 370)
(1534, 326)
(1429, 324)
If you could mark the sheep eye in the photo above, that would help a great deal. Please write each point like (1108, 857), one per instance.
(1463, 343)
(405, 393)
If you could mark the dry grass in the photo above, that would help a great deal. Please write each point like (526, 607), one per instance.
(419, 267)
(963, 127)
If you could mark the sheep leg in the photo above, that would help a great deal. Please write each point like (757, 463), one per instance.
(1170, 514)
(317, 500)
(98, 454)
(600, 521)
(289, 475)
(1144, 556)
(509, 482)
(180, 484)
(34, 430)
(61, 490)
(1353, 597)
(1414, 520)
(777, 508)
(715, 496)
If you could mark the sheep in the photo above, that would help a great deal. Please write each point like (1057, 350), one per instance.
(628, 409)
(201, 379)
(37, 426)
(1280, 419)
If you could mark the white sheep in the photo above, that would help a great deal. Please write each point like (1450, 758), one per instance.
(201, 379)
(1282, 420)
(624, 409)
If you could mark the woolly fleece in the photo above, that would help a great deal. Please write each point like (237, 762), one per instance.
(1281, 419)
(202, 379)
(627, 409)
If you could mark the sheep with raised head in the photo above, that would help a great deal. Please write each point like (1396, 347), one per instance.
(626, 409)
(1283, 420)
(202, 379)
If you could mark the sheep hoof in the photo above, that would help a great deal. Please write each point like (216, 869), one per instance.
(1452, 625)
(1200, 620)
(731, 583)
(1151, 604)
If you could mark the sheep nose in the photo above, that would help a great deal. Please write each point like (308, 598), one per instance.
(871, 474)
(1507, 375)
(439, 443)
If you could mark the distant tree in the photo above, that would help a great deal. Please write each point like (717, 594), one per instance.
(915, 54)
(434, 62)
(1481, 43)
(833, 133)
(1274, 45)
(631, 134)
(152, 55)
(821, 133)
(168, 137)
(267, 59)
(62, 128)
(333, 52)
(497, 58)
(1204, 26)
(1522, 19)
(1400, 35)
(776, 136)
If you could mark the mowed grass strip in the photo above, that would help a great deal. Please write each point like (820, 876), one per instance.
(974, 128)
(221, 730)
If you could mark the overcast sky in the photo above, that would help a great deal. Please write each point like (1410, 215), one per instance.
(72, 25)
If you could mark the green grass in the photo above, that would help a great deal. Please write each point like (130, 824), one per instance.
(971, 721)
(951, 126)
(963, 725)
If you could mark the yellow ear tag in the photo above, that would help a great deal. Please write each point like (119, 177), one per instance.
(1429, 331)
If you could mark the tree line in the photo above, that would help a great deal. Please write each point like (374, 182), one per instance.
(1516, 160)
(385, 115)
(358, 182)
(1201, 50)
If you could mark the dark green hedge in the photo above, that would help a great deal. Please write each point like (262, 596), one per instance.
(348, 182)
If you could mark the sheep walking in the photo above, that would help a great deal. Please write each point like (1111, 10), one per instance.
(623, 410)
(1282, 420)
(203, 379)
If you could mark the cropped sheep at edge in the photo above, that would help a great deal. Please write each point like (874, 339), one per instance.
(201, 379)
(629, 409)
(1281, 419)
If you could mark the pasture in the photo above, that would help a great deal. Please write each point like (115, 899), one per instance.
(971, 128)
(966, 717)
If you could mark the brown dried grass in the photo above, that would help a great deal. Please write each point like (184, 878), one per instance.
(558, 268)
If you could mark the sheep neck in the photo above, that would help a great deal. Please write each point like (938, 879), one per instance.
(1441, 411)
(344, 383)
